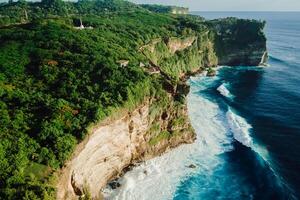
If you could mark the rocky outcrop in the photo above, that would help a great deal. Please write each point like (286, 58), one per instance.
(148, 131)
(176, 44)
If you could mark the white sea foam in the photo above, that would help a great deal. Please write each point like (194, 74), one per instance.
(158, 178)
(241, 131)
(240, 128)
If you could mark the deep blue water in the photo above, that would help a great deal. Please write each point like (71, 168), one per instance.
(260, 108)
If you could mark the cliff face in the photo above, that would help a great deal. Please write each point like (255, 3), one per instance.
(146, 132)
(239, 42)
(175, 44)
(177, 57)
(249, 55)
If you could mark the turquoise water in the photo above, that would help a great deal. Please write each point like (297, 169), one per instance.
(264, 123)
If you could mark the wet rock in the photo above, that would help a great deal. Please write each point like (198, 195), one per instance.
(128, 168)
(211, 72)
(114, 184)
(192, 166)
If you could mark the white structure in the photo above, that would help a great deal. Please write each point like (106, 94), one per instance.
(81, 27)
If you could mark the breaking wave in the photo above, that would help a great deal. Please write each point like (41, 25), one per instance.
(240, 128)
(223, 89)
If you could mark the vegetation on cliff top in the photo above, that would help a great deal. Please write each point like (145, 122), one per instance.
(57, 79)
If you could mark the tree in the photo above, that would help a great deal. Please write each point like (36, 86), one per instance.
(58, 6)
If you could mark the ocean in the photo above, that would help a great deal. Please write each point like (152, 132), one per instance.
(247, 121)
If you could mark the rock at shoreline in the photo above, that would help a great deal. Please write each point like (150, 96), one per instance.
(192, 166)
(211, 72)
(128, 168)
(114, 184)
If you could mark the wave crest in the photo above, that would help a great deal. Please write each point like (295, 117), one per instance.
(223, 90)
(240, 128)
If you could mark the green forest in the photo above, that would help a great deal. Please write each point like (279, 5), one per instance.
(57, 79)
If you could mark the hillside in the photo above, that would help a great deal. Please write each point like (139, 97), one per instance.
(58, 78)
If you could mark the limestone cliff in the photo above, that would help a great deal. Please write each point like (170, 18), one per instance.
(148, 131)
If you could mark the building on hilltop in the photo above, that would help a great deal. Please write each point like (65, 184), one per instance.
(81, 26)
